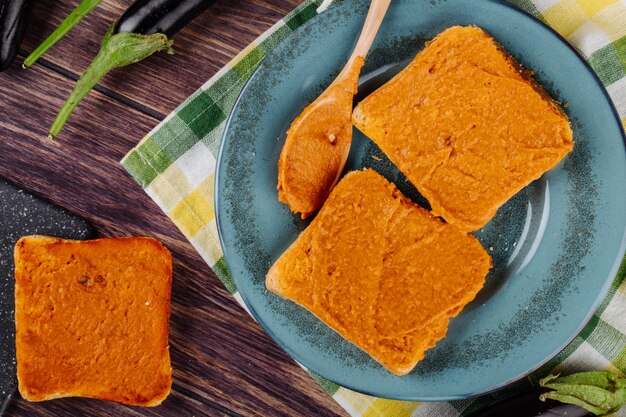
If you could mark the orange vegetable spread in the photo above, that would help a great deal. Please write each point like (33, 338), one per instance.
(317, 145)
(466, 125)
(381, 271)
(92, 319)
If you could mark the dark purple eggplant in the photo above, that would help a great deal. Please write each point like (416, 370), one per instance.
(581, 394)
(529, 405)
(14, 16)
(145, 28)
(147, 17)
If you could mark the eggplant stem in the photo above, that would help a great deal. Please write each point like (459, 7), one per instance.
(599, 392)
(117, 50)
(68, 24)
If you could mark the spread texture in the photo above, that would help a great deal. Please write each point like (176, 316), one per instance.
(381, 271)
(317, 146)
(466, 125)
(92, 319)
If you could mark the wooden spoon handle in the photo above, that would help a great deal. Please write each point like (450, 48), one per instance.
(374, 18)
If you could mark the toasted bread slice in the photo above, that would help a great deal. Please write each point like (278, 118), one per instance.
(381, 271)
(91, 319)
(466, 125)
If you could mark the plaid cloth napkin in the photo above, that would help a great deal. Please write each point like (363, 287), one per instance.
(175, 164)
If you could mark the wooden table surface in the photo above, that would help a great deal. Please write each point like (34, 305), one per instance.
(223, 362)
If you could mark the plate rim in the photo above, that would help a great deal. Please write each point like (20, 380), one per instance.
(596, 305)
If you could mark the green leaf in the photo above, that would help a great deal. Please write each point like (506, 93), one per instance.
(70, 21)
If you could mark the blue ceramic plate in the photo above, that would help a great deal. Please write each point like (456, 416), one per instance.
(555, 246)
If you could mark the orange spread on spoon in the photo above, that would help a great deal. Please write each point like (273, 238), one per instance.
(317, 146)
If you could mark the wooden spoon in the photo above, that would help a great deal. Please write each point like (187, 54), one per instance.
(318, 140)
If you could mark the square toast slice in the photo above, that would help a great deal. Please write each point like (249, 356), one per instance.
(92, 319)
(381, 271)
(467, 126)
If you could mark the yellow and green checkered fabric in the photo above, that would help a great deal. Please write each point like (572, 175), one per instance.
(175, 164)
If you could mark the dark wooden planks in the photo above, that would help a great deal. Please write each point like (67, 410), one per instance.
(221, 358)
(202, 48)
(177, 404)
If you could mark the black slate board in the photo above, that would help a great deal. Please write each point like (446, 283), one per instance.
(23, 214)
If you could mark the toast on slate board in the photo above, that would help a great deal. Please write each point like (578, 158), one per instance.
(466, 125)
(381, 271)
(23, 214)
(92, 319)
